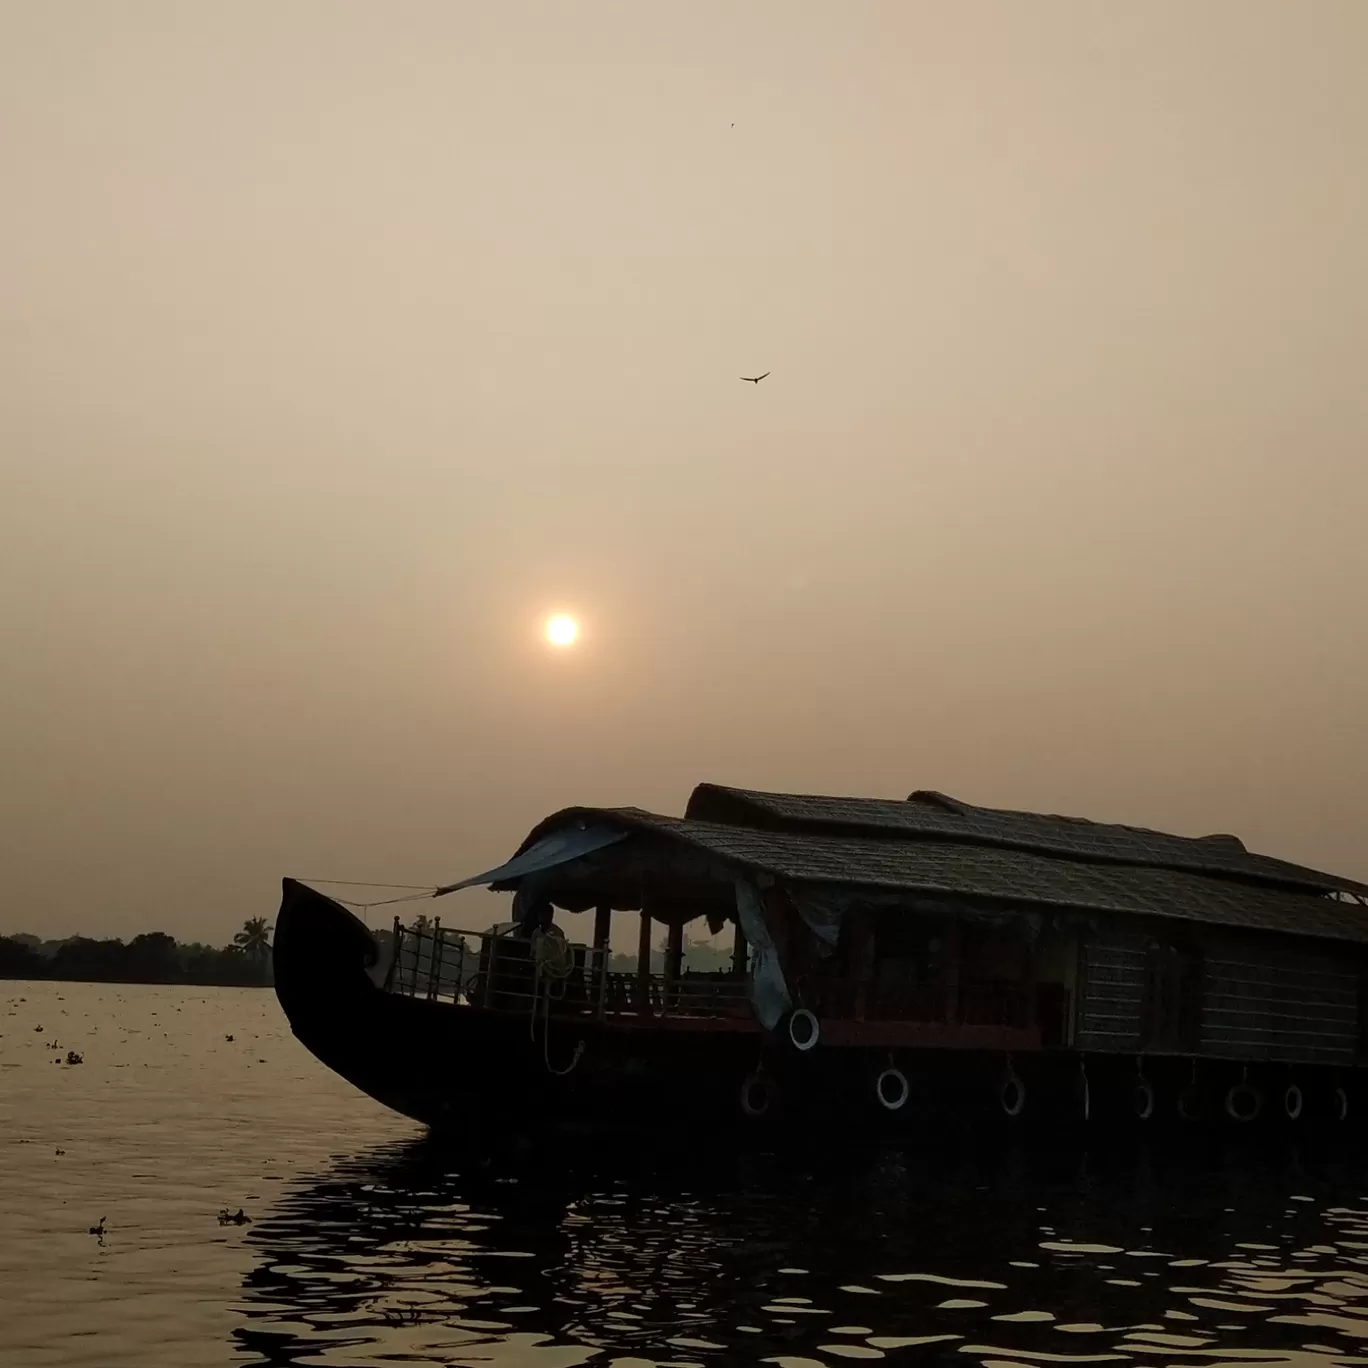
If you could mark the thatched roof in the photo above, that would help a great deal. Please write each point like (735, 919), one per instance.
(936, 816)
(945, 851)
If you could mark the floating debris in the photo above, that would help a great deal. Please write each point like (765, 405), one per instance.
(60, 1152)
(99, 1229)
(229, 1039)
(74, 1058)
(37, 1028)
(237, 1218)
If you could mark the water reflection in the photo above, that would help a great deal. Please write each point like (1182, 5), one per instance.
(404, 1255)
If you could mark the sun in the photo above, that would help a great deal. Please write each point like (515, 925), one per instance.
(562, 630)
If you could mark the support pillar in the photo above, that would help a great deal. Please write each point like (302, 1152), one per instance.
(644, 964)
(435, 961)
(602, 918)
(954, 958)
(674, 959)
(862, 960)
(396, 939)
(739, 951)
(603, 914)
(1028, 1008)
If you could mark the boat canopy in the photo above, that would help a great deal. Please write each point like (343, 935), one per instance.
(557, 847)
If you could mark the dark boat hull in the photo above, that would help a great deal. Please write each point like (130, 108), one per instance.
(464, 1068)
(467, 1071)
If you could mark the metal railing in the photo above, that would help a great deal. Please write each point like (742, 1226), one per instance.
(500, 972)
(430, 961)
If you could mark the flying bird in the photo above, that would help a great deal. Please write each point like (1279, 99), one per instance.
(754, 379)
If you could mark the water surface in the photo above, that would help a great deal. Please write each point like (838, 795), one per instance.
(368, 1247)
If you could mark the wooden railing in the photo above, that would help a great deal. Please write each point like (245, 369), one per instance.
(499, 973)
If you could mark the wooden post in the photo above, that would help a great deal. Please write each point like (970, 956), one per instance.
(435, 965)
(1028, 986)
(739, 950)
(397, 937)
(1362, 995)
(458, 981)
(954, 947)
(644, 964)
(674, 959)
(862, 959)
(488, 950)
(603, 915)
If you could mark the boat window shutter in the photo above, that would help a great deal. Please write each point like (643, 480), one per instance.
(1171, 1001)
(1363, 1015)
(1153, 998)
(1189, 995)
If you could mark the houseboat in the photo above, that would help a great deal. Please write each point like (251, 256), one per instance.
(894, 964)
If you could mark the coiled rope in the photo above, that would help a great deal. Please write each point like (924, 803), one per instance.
(553, 962)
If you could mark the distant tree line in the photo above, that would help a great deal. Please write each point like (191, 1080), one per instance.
(153, 957)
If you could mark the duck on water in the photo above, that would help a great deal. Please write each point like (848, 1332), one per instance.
(896, 965)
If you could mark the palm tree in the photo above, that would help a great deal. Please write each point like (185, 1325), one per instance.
(254, 940)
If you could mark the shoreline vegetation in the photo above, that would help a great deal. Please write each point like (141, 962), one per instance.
(153, 957)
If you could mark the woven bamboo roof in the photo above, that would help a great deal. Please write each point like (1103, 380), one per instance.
(1107, 877)
(936, 816)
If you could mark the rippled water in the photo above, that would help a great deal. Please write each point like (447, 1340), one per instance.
(366, 1246)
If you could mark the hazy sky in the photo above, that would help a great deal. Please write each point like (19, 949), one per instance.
(340, 343)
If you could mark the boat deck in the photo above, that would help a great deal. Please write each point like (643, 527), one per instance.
(499, 973)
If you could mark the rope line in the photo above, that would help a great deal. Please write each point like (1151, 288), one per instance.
(384, 902)
(362, 883)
